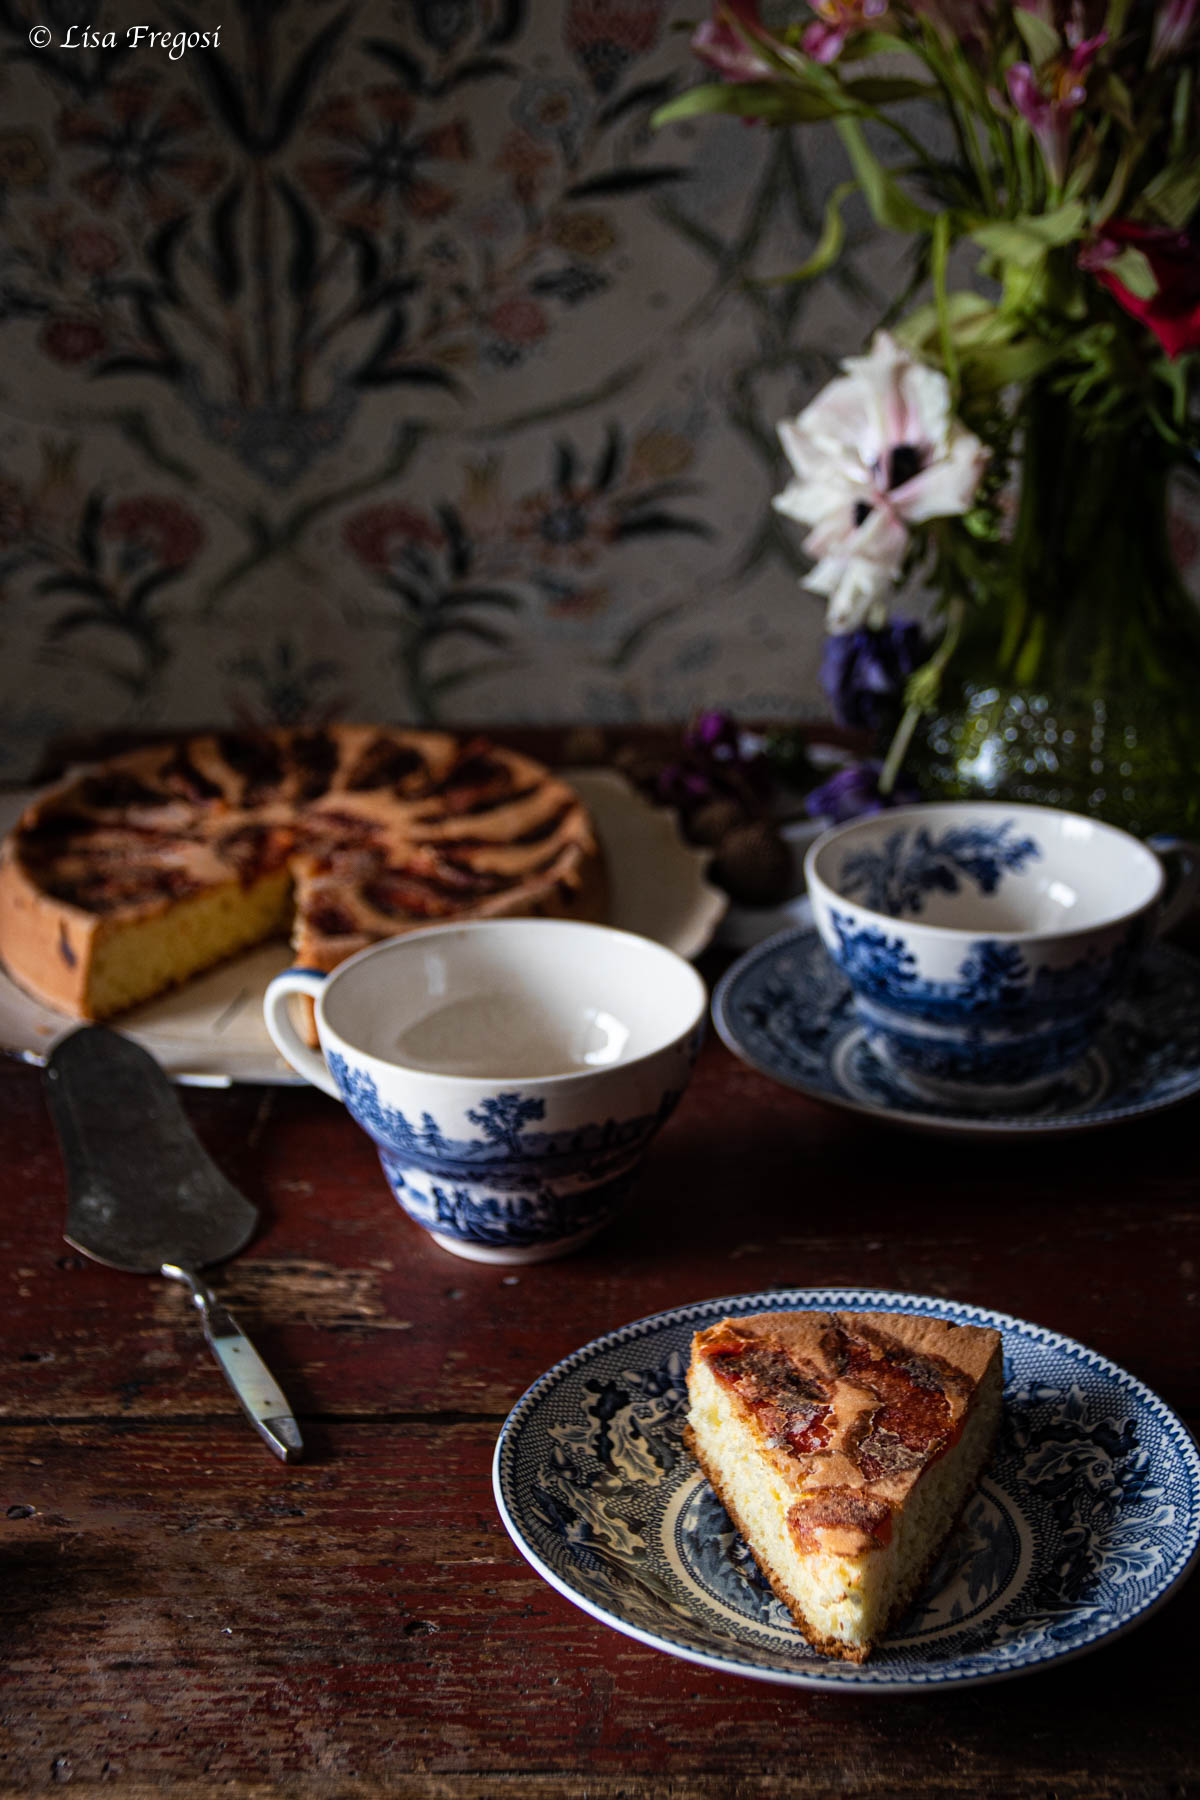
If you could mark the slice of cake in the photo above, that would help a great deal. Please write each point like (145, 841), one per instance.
(843, 1446)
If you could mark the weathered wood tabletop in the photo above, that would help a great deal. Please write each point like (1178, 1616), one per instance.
(180, 1610)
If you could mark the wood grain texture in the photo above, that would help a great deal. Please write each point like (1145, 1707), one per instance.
(182, 1612)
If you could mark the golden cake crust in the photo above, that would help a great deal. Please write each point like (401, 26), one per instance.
(188, 850)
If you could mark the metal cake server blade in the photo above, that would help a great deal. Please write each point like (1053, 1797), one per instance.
(145, 1196)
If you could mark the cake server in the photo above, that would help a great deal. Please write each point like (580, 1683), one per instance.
(145, 1196)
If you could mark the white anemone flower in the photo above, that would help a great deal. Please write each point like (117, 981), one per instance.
(877, 452)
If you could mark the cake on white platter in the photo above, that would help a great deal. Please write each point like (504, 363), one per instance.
(163, 861)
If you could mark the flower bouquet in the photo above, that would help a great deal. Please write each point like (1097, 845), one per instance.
(1012, 428)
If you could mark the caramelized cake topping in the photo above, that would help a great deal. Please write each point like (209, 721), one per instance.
(380, 830)
(894, 1417)
(791, 1404)
(843, 1447)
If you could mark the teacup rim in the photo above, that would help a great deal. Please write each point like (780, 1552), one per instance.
(564, 1078)
(903, 814)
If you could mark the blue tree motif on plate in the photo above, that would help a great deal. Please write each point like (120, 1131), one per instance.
(897, 878)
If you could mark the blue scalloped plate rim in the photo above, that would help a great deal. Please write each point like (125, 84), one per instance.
(785, 1009)
(1086, 1520)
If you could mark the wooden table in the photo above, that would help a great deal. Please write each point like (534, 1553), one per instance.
(181, 1611)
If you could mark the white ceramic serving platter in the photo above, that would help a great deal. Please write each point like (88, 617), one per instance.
(211, 1032)
(1086, 1519)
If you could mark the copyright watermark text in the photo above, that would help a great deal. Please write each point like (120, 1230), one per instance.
(172, 44)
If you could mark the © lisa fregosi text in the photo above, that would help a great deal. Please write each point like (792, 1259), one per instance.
(134, 37)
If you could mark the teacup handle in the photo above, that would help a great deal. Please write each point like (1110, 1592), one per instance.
(1182, 859)
(285, 1037)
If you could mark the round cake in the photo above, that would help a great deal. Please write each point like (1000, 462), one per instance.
(161, 862)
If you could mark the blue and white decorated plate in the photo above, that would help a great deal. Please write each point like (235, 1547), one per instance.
(1085, 1520)
(787, 1010)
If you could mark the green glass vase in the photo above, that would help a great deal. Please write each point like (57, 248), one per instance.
(1076, 678)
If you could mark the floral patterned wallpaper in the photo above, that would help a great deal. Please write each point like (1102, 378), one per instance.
(380, 360)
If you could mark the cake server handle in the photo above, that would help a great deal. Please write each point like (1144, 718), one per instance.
(258, 1392)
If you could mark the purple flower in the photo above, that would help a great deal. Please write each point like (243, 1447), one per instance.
(836, 21)
(854, 791)
(1049, 100)
(713, 733)
(724, 42)
(714, 764)
(863, 672)
(1174, 23)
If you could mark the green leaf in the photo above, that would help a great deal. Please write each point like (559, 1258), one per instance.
(991, 355)
(938, 261)
(870, 43)
(1174, 194)
(889, 204)
(828, 246)
(1084, 165)
(1025, 240)
(1041, 39)
(1115, 96)
(750, 100)
(1132, 269)
(882, 90)
(1114, 22)
(972, 319)
(991, 371)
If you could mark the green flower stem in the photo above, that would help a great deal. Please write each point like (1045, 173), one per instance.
(898, 749)
(962, 108)
(924, 687)
(1181, 112)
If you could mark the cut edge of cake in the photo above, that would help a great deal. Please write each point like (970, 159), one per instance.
(848, 1577)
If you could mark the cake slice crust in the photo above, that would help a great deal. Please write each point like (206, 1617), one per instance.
(844, 1447)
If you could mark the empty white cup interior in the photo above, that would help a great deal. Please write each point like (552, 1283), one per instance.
(1079, 874)
(513, 999)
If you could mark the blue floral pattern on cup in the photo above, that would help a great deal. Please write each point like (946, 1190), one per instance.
(1038, 1019)
(897, 878)
(509, 1185)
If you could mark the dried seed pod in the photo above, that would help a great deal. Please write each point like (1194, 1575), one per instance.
(753, 865)
(711, 823)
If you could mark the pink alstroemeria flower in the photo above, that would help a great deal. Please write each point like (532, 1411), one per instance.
(836, 21)
(877, 452)
(1049, 101)
(720, 44)
(1174, 23)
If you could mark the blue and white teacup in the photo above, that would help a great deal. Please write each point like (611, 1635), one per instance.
(511, 1072)
(985, 944)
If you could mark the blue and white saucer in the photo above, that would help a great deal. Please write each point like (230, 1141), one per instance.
(786, 1009)
(1086, 1518)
